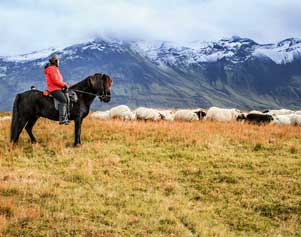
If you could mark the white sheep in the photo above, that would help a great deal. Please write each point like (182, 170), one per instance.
(122, 112)
(289, 119)
(282, 119)
(222, 115)
(296, 119)
(167, 115)
(143, 113)
(186, 115)
(103, 115)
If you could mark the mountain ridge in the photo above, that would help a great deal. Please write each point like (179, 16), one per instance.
(234, 72)
(207, 48)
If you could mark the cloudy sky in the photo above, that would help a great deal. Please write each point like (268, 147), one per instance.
(28, 25)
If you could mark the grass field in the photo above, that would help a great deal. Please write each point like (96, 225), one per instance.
(152, 179)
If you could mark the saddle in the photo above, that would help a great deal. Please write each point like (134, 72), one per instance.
(71, 96)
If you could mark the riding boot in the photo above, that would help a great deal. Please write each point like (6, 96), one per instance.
(63, 119)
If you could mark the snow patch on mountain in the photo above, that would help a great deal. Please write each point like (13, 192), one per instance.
(171, 53)
(284, 52)
(94, 46)
(30, 56)
(41, 57)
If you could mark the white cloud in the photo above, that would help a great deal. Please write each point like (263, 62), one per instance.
(31, 25)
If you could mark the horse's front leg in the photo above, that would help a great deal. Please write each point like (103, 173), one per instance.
(77, 131)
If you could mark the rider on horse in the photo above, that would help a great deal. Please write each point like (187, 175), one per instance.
(56, 84)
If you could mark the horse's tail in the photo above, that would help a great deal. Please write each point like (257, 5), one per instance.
(15, 118)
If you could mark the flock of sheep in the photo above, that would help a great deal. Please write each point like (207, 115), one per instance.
(281, 116)
(123, 112)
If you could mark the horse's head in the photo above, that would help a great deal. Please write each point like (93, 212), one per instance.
(102, 83)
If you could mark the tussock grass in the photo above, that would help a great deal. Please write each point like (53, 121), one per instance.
(152, 179)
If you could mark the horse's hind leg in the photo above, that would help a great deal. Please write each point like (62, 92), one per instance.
(29, 127)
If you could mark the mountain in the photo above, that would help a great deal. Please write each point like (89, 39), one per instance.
(234, 72)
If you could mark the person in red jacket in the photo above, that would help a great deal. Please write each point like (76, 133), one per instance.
(56, 84)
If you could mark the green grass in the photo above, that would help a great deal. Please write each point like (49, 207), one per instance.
(152, 179)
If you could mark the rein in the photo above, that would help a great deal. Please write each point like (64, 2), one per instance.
(84, 92)
(88, 93)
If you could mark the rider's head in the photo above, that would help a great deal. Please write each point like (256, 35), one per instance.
(54, 60)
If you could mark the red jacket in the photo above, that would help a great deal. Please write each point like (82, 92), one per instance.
(54, 78)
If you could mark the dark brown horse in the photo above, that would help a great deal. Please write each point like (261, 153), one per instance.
(30, 105)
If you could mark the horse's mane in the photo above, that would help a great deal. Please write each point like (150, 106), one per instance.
(81, 84)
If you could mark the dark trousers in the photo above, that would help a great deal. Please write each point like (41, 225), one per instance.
(63, 113)
(60, 96)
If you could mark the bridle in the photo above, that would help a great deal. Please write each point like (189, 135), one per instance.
(103, 91)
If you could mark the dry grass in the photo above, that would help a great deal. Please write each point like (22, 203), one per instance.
(152, 179)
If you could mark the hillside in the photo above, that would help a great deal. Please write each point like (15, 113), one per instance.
(234, 72)
(152, 179)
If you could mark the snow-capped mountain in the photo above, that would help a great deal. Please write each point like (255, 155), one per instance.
(30, 56)
(233, 72)
(234, 49)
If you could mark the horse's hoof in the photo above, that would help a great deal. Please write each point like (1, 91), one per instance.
(77, 144)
